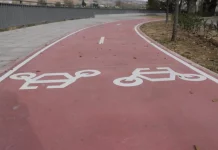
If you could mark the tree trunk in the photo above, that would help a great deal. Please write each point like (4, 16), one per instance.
(167, 12)
(175, 24)
(191, 6)
(180, 5)
(209, 7)
(212, 6)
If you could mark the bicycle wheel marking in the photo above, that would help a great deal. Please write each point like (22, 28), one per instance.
(140, 73)
(137, 77)
(30, 78)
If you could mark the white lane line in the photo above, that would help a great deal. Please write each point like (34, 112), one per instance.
(101, 41)
(174, 57)
(118, 24)
(8, 73)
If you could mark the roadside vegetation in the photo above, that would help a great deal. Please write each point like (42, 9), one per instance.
(187, 33)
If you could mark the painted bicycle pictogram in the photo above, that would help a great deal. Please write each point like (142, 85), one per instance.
(140, 74)
(31, 78)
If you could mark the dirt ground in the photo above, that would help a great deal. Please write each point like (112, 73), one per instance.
(195, 48)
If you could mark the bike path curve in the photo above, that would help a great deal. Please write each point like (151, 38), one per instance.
(107, 88)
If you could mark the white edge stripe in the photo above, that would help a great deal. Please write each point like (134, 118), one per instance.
(8, 73)
(174, 57)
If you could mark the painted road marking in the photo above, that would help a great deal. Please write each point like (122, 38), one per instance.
(173, 56)
(101, 41)
(118, 24)
(133, 80)
(140, 73)
(10, 72)
(68, 79)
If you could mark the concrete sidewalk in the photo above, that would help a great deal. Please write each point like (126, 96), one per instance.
(16, 44)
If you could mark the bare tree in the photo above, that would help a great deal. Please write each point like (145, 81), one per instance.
(180, 5)
(167, 11)
(83, 3)
(191, 6)
(68, 3)
(209, 6)
(41, 2)
(175, 23)
(118, 3)
(58, 4)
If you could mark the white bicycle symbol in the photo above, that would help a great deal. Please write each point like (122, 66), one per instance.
(140, 73)
(31, 78)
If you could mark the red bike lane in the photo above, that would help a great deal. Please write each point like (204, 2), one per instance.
(107, 88)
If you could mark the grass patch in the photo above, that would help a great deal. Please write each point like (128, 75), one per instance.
(196, 48)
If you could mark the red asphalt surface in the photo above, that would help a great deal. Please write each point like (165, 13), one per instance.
(95, 114)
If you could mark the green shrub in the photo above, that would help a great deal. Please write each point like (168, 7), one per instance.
(190, 22)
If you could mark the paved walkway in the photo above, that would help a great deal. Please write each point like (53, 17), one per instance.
(107, 88)
(17, 44)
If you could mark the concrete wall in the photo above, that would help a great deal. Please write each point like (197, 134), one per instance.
(19, 15)
(12, 15)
